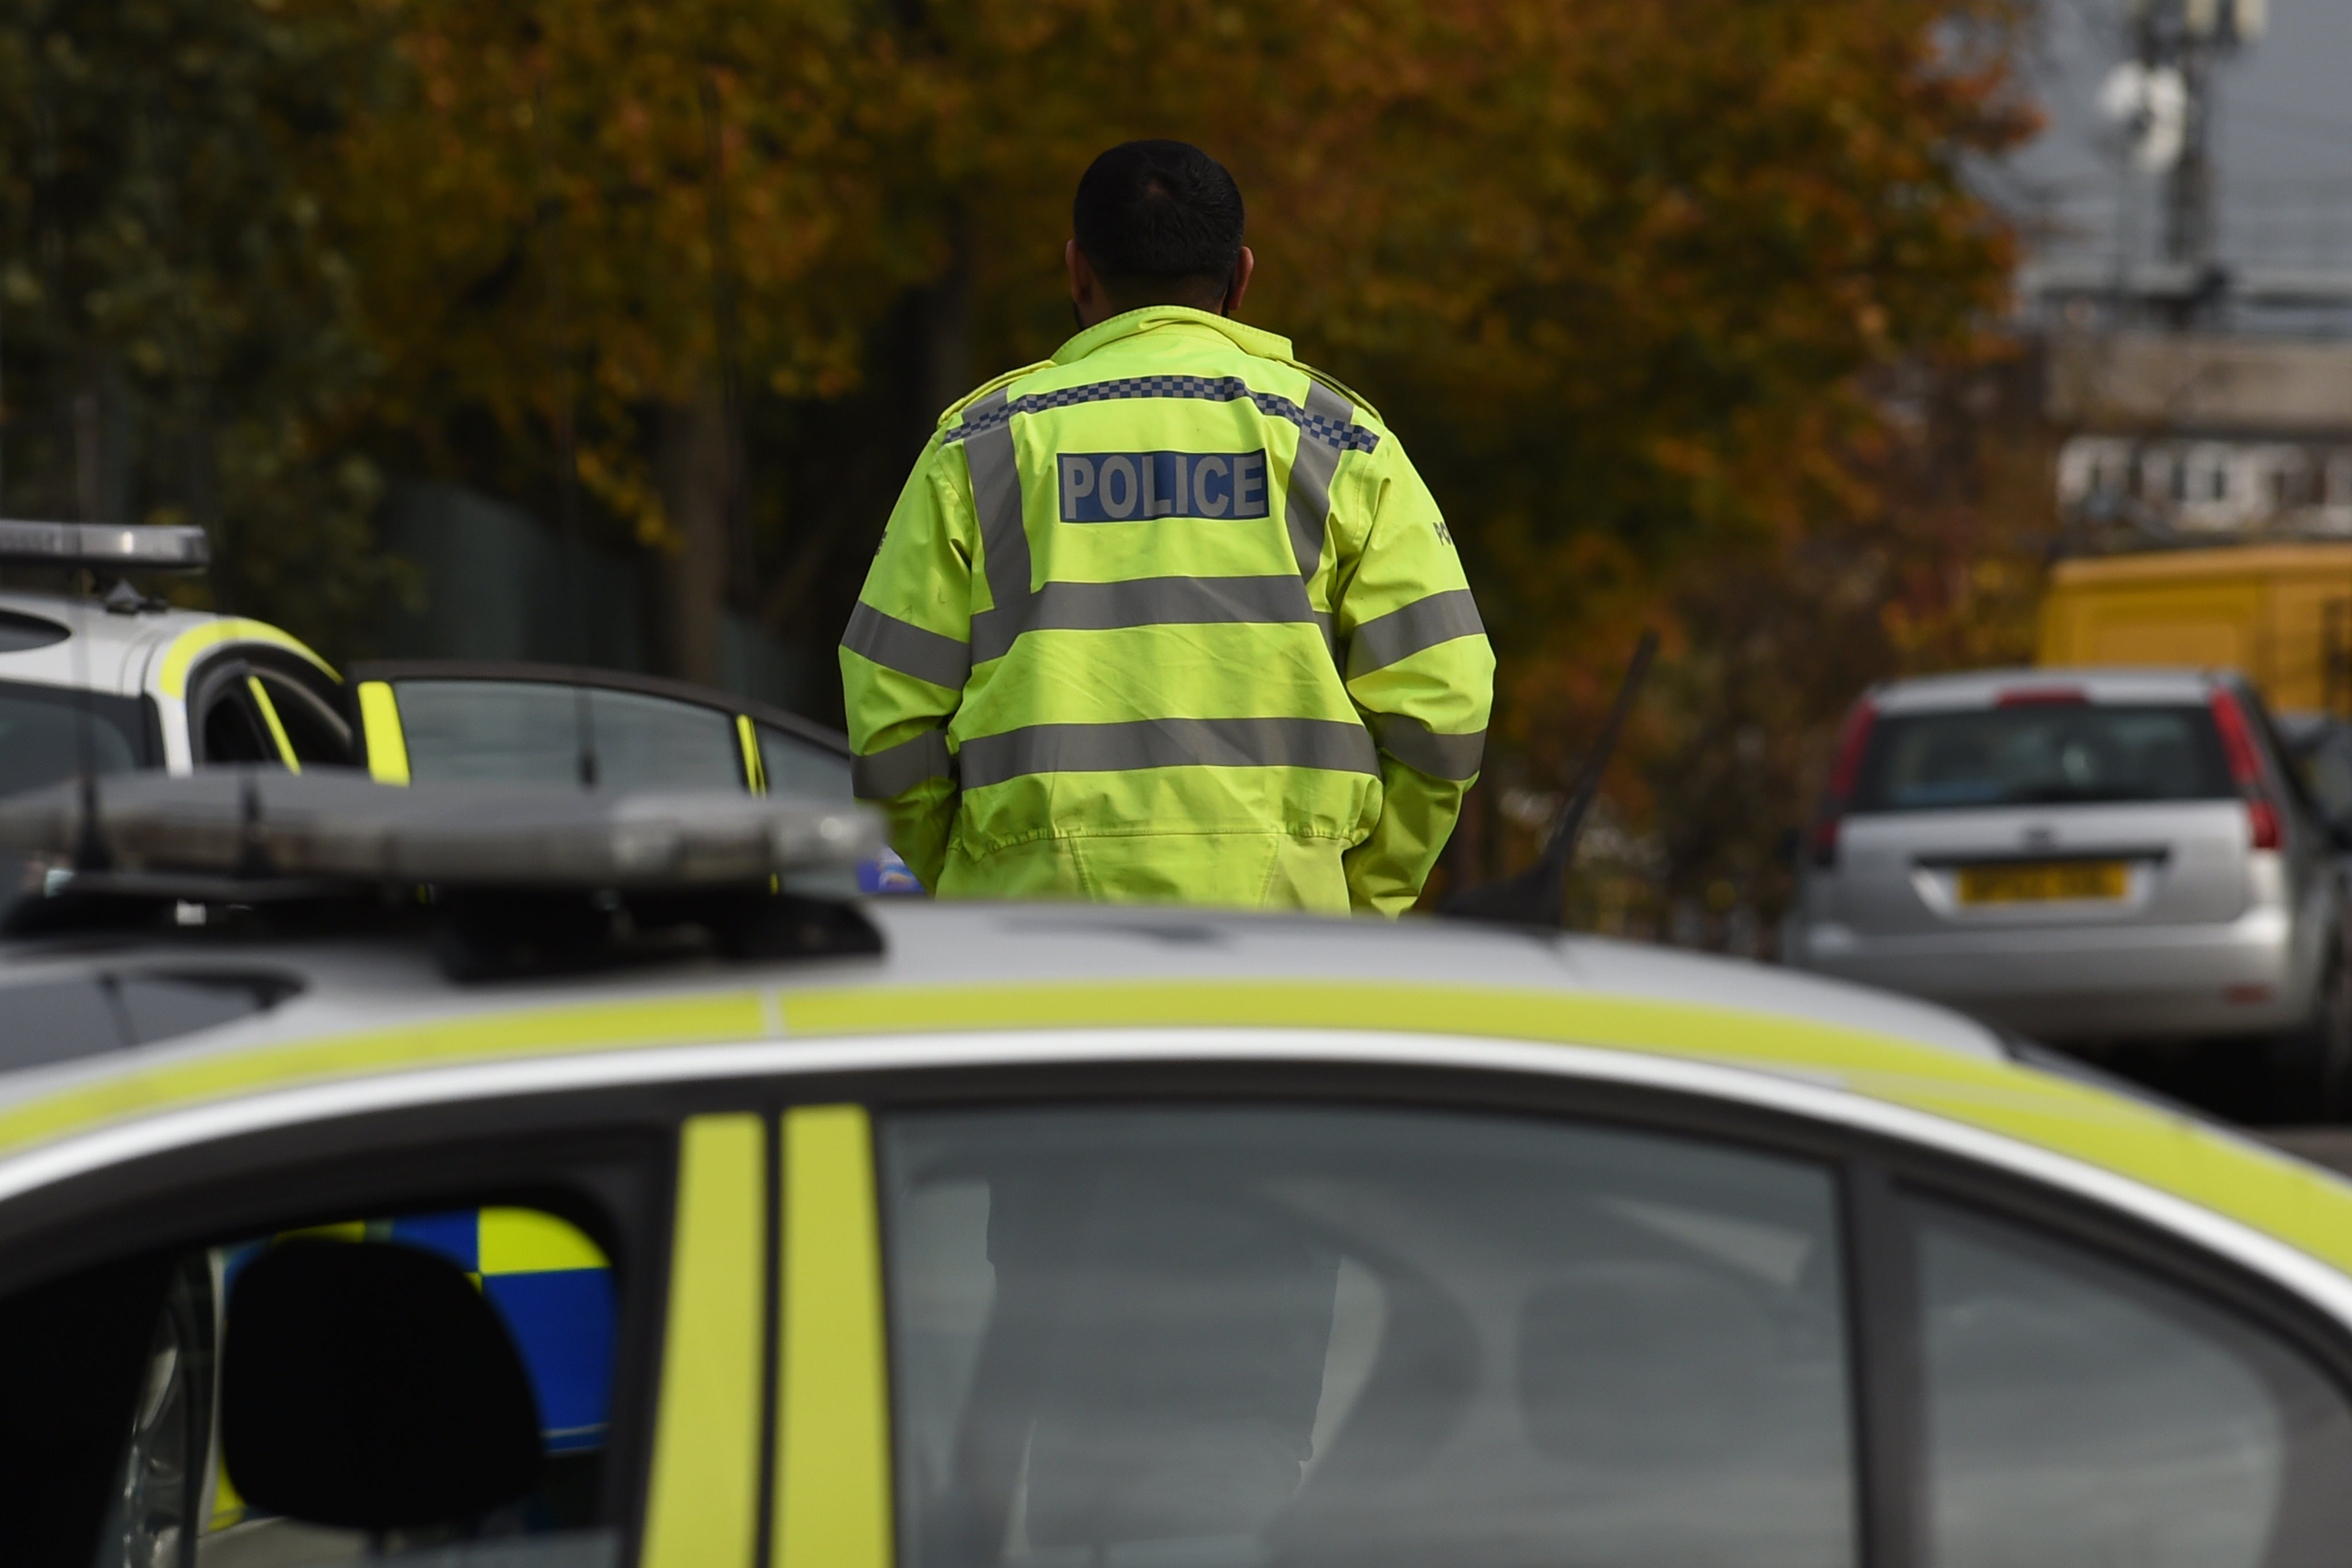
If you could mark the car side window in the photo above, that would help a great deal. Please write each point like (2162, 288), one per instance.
(798, 767)
(534, 731)
(311, 718)
(2284, 759)
(1233, 1335)
(246, 705)
(2326, 767)
(2079, 1411)
(427, 1385)
(228, 727)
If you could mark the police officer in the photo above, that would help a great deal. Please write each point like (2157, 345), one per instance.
(1168, 617)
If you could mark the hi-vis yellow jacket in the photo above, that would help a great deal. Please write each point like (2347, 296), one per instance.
(1168, 617)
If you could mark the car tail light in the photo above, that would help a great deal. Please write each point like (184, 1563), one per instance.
(1845, 770)
(2246, 761)
(2042, 697)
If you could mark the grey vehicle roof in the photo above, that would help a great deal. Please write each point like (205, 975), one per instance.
(102, 652)
(1982, 688)
(379, 983)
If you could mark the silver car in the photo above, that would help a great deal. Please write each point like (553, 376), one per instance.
(2082, 855)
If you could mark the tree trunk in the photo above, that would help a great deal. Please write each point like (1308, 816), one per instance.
(692, 466)
(947, 333)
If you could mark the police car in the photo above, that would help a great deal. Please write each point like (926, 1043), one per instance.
(953, 1234)
(122, 682)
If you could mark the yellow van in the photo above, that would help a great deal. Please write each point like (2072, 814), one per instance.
(2280, 614)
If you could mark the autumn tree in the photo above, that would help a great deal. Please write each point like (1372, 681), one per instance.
(1615, 271)
(178, 336)
(602, 227)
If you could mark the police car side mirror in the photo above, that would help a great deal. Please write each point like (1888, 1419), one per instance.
(369, 1386)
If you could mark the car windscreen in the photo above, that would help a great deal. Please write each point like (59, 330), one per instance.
(533, 732)
(49, 733)
(2041, 754)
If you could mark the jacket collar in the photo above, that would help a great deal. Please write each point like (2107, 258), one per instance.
(1179, 319)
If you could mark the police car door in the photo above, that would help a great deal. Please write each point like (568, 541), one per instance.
(527, 1334)
(432, 719)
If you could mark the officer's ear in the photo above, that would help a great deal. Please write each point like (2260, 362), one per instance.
(1086, 292)
(1244, 266)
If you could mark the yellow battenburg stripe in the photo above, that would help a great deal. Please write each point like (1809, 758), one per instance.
(2174, 1154)
(277, 728)
(387, 743)
(755, 773)
(172, 675)
(833, 1453)
(613, 1025)
(703, 1506)
(526, 1241)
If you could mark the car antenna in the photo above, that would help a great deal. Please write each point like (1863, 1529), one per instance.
(567, 456)
(1537, 897)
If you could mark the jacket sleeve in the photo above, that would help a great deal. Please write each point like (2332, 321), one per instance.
(1420, 672)
(905, 657)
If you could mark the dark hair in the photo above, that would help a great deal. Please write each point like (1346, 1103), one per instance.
(1160, 221)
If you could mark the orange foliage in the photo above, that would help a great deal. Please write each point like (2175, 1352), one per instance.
(1629, 277)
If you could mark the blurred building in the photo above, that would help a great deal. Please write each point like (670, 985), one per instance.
(2188, 284)
(2196, 437)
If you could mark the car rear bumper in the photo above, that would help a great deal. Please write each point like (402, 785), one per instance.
(2238, 976)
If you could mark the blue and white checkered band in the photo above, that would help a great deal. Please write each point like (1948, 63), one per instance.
(1210, 389)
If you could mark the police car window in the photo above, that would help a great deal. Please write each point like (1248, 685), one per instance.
(797, 767)
(1234, 1336)
(432, 1388)
(2077, 1411)
(46, 732)
(319, 734)
(527, 730)
(231, 728)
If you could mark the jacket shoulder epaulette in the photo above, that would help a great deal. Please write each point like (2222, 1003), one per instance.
(981, 391)
(1336, 385)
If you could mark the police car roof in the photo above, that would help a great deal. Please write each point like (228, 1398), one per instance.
(52, 640)
(337, 986)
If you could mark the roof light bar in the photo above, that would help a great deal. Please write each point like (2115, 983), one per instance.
(103, 546)
(262, 824)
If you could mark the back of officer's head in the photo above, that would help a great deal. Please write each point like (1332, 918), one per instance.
(1161, 223)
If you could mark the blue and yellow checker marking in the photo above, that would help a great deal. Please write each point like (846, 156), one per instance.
(552, 1288)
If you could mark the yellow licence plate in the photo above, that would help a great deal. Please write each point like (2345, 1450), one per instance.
(2043, 882)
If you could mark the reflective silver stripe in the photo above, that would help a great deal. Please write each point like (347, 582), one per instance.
(1419, 748)
(1339, 744)
(897, 644)
(1146, 602)
(1316, 422)
(996, 496)
(1401, 634)
(1310, 511)
(894, 769)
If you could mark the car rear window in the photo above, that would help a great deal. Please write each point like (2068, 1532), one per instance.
(2041, 754)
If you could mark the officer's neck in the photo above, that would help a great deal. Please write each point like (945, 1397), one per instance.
(1100, 307)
